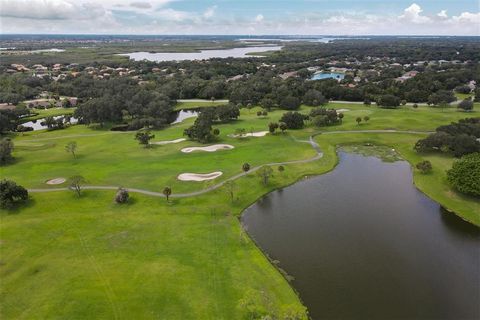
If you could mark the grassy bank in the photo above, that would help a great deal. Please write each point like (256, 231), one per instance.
(86, 257)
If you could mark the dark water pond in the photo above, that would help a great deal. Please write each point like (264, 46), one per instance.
(363, 243)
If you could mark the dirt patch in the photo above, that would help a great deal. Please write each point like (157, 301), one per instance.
(199, 176)
(211, 148)
(56, 181)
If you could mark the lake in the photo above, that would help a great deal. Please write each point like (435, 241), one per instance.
(332, 75)
(200, 55)
(363, 243)
(37, 124)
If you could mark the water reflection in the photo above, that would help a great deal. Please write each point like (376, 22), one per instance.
(363, 243)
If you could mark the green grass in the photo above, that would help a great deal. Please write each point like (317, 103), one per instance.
(52, 112)
(77, 258)
(185, 105)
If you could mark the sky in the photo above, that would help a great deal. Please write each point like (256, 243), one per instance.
(242, 17)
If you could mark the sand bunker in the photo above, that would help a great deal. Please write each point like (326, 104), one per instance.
(343, 110)
(199, 176)
(211, 148)
(168, 141)
(56, 181)
(250, 134)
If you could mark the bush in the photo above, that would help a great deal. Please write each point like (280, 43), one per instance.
(11, 193)
(424, 166)
(121, 196)
(465, 174)
(466, 105)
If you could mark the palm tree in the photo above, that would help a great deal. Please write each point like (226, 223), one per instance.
(359, 119)
(167, 191)
(246, 167)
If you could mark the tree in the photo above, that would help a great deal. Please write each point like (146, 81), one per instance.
(11, 194)
(388, 101)
(265, 173)
(246, 167)
(76, 184)
(290, 103)
(465, 174)
(358, 119)
(415, 106)
(293, 120)
(167, 191)
(71, 147)
(314, 98)
(144, 137)
(424, 166)
(121, 196)
(6, 149)
(283, 126)
(441, 98)
(230, 187)
(272, 126)
(216, 132)
(281, 168)
(366, 118)
(466, 105)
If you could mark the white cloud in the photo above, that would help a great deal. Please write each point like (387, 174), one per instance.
(172, 15)
(259, 18)
(442, 14)
(141, 5)
(467, 17)
(210, 12)
(414, 14)
(37, 9)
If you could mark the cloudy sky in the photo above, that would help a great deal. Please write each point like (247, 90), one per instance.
(314, 17)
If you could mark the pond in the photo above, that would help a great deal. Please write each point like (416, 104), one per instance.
(37, 124)
(204, 54)
(185, 114)
(331, 75)
(363, 243)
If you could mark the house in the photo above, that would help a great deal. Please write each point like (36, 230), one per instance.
(287, 75)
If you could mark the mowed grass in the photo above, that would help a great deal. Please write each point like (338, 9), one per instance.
(86, 258)
(76, 258)
(42, 113)
(198, 104)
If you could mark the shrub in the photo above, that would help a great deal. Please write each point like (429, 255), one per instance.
(424, 166)
(121, 196)
(465, 174)
(466, 105)
(293, 120)
(388, 101)
(11, 193)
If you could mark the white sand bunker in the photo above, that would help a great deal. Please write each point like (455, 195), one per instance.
(211, 148)
(199, 176)
(56, 181)
(168, 141)
(343, 110)
(250, 134)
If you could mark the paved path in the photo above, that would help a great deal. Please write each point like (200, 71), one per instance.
(310, 141)
(203, 100)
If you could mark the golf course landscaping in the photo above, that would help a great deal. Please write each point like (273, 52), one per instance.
(65, 256)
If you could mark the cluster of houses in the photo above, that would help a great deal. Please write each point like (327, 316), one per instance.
(60, 72)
